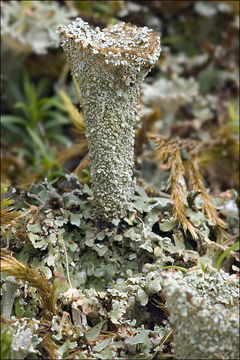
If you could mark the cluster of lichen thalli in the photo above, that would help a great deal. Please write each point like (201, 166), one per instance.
(106, 280)
(30, 26)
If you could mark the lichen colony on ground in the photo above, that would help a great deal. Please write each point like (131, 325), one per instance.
(109, 67)
(204, 314)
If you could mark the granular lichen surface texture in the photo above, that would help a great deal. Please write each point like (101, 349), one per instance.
(204, 310)
(109, 66)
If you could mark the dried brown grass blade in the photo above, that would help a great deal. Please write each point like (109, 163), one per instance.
(78, 150)
(8, 215)
(49, 346)
(34, 277)
(82, 165)
(75, 116)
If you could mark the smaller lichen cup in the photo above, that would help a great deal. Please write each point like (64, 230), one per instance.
(204, 313)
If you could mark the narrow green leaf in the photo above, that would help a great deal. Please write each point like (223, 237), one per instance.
(14, 129)
(13, 119)
(203, 266)
(15, 91)
(52, 101)
(29, 90)
(60, 138)
(60, 118)
(41, 87)
(38, 141)
(23, 106)
(226, 252)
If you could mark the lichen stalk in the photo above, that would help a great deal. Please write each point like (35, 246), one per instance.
(109, 67)
(10, 288)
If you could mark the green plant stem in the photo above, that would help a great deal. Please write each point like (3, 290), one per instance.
(226, 252)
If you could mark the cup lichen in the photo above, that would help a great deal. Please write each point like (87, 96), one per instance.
(204, 310)
(9, 292)
(109, 66)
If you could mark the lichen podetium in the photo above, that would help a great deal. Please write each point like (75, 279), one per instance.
(109, 66)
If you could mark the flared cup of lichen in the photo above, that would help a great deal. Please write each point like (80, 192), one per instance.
(109, 66)
(204, 313)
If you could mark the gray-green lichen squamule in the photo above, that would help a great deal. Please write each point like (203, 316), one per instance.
(109, 66)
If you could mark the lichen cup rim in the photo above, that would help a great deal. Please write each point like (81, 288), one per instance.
(124, 40)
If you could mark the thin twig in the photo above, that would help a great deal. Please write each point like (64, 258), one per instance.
(144, 228)
(67, 264)
(231, 240)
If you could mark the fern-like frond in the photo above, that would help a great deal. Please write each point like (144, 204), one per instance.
(177, 183)
(198, 185)
(169, 150)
